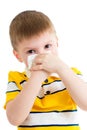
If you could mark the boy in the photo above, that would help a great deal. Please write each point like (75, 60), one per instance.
(41, 101)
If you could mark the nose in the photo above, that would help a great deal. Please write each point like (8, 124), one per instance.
(43, 51)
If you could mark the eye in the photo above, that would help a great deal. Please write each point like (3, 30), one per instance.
(30, 51)
(48, 46)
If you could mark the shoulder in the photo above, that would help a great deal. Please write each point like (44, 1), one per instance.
(17, 73)
(16, 76)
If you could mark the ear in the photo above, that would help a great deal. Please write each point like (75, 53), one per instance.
(16, 54)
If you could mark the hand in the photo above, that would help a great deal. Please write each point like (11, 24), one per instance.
(47, 62)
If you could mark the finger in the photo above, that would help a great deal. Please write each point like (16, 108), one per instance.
(40, 58)
(37, 67)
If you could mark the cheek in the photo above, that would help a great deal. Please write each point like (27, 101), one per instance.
(25, 60)
(26, 63)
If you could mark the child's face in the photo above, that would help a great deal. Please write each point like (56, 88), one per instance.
(41, 44)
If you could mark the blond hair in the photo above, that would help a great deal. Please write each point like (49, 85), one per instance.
(27, 24)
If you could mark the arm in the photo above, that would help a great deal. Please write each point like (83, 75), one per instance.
(76, 86)
(18, 109)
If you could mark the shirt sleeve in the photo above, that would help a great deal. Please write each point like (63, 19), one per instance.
(14, 85)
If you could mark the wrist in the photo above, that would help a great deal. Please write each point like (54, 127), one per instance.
(62, 66)
(42, 75)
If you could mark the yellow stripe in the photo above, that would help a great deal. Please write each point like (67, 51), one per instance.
(58, 101)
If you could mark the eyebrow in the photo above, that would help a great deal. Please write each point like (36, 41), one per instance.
(30, 48)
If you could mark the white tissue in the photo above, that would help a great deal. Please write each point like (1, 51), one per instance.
(30, 60)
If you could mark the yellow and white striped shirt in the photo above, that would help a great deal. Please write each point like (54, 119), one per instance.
(53, 109)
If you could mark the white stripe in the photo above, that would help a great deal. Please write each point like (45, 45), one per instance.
(52, 88)
(12, 86)
(83, 77)
(54, 118)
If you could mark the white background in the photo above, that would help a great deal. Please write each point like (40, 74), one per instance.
(70, 20)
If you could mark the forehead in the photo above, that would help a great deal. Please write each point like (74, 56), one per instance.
(39, 40)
